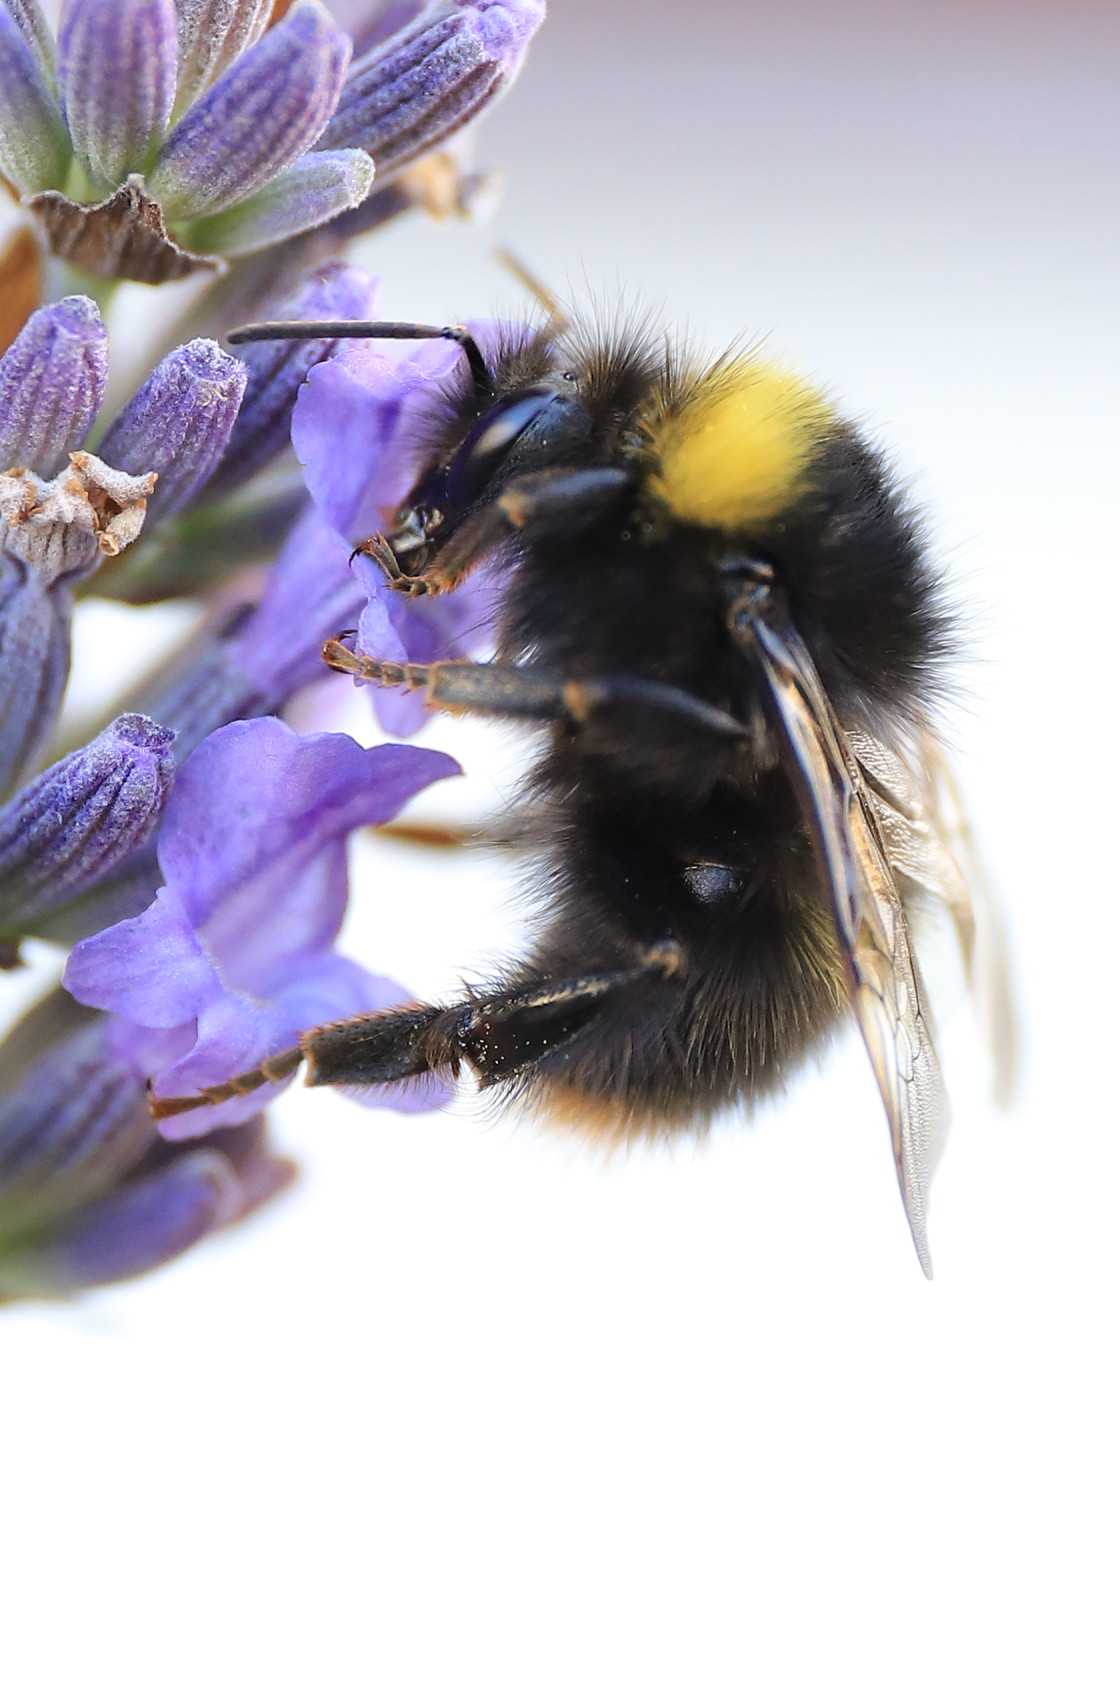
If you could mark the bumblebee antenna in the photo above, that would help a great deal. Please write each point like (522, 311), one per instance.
(461, 336)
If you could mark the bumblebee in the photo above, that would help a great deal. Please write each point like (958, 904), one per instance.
(719, 611)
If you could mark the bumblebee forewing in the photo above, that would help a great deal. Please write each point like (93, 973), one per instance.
(886, 989)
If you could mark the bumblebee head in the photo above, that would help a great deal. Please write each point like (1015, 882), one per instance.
(529, 430)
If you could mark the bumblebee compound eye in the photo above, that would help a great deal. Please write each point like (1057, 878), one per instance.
(536, 416)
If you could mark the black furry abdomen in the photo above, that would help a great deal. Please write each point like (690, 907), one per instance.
(632, 803)
(759, 982)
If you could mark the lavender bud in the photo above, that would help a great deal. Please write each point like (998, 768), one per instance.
(117, 81)
(180, 421)
(77, 1122)
(52, 379)
(89, 1192)
(260, 116)
(315, 189)
(411, 93)
(212, 34)
(34, 663)
(81, 818)
(137, 1228)
(36, 31)
(278, 369)
(34, 149)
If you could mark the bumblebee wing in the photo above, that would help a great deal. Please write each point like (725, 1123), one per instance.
(930, 841)
(885, 985)
(989, 966)
(918, 847)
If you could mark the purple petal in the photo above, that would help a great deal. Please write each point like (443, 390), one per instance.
(377, 633)
(279, 368)
(52, 380)
(236, 1033)
(179, 422)
(82, 818)
(34, 147)
(409, 94)
(117, 67)
(231, 961)
(354, 428)
(311, 595)
(260, 116)
(256, 797)
(315, 189)
(396, 628)
(153, 970)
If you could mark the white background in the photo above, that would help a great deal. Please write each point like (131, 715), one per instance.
(471, 1403)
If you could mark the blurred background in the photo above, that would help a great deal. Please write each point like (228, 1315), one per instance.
(473, 1402)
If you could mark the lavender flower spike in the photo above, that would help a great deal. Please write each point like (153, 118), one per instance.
(233, 958)
(117, 81)
(81, 818)
(179, 422)
(52, 379)
(411, 93)
(34, 147)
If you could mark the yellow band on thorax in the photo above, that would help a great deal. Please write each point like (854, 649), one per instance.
(735, 455)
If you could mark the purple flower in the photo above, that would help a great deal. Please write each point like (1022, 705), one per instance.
(233, 958)
(255, 666)
(277, 369)
(379, 394)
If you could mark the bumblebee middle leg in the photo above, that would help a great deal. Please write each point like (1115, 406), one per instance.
(530, 692)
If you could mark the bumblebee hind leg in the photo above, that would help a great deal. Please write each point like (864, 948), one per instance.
(497, 1034)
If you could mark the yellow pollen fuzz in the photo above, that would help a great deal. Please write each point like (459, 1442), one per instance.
(736, 454)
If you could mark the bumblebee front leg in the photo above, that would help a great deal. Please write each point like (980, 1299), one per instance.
(552, 501)
(497, 1034)
(528, 692)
